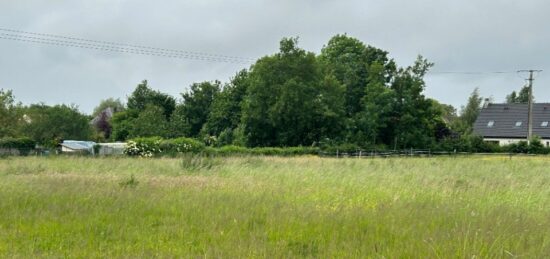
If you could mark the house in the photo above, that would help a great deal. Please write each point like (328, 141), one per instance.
(505, 124)
(75, 146)
(107, 114)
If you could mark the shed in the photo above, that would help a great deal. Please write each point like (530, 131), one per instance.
(76, 146)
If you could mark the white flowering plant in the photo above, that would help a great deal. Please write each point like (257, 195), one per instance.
(181, 145)
(155, 146)
(143, 147)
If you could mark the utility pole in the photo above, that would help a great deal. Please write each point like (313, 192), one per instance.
(530, 102)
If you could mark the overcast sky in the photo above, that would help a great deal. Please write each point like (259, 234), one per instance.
(468, 35)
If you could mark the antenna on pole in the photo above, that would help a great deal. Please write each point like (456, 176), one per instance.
(530, 102)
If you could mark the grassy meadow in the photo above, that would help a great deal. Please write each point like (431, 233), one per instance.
(274, 207)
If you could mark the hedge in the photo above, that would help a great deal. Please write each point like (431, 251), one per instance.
(17, 143)
(266, 151)
(156, 146)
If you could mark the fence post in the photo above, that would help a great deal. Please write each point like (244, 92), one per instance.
(336, 153)
(360, 153)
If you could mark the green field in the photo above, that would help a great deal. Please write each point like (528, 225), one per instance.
(272, 207)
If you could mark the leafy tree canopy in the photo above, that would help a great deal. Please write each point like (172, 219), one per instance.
(143, 95)
(50, 124)
(521, 97)
(112, 103)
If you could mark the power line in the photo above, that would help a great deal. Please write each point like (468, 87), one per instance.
(109, 48)
(471, 72)
(58, 40)
(121, 44)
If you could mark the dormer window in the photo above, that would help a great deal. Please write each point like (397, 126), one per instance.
(544, 124)
(518, 124)
(490, 124)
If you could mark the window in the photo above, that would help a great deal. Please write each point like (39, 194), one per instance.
(518, 124)
(490, 124)
(544, 124)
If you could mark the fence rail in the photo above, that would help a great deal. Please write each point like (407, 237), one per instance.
(4, 152)
(409, 153)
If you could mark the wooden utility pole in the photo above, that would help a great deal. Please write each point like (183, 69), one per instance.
(530, 103)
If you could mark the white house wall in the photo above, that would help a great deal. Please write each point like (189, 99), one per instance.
(508, 141)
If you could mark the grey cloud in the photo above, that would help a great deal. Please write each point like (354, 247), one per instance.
(456, 35)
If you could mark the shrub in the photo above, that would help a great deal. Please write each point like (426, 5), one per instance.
(536, 146)
(181, 145)
(262, 151)
(148, 147)
(143, 147)
(17, 143)
(225, 138)
(341, 148)
(23, 145)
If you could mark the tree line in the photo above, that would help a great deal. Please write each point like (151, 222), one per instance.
(349, 94)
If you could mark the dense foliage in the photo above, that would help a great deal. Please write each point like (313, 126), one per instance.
(17, 143)
(350, 96)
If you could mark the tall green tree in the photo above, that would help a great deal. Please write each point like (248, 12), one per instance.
(50, 124)
(286, 101)
(143, 104)
(469, 113)
(195, 108)
(413, 118)
(122, 124)
(9, 116)
(225, 111)
(349, 60)
(521, 97)
(143, 96)
(149, 123)
(377, 106)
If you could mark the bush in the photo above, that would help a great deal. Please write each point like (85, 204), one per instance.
(225, 138)
(341, 148)
(181, 145)
(17, 143)
(534, 146)
(23, 145)
(153, 146)
(143, 147)
(468, 143)
(286, 151)
(262, 151)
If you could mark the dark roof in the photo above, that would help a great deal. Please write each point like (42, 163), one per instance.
(505, 117)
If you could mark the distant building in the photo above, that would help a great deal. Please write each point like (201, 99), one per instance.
(505, 124)
(111, 148)
(108, 113)
(75, 146)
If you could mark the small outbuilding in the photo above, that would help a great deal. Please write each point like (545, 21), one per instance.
(76, 146)
(106, 149)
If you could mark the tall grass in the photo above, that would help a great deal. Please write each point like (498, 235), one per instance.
(275, 207)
